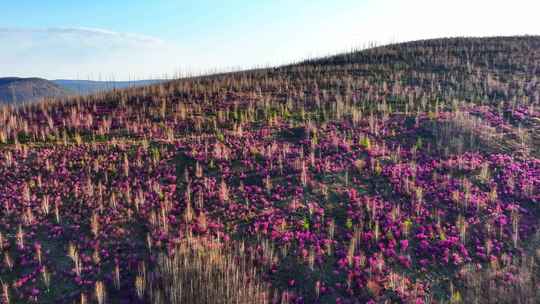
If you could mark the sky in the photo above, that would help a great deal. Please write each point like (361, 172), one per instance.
(136, 39)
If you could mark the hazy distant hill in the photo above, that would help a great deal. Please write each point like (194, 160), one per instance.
(19, 90)
(85, 87)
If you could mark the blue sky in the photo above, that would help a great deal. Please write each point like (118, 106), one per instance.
(143, 39)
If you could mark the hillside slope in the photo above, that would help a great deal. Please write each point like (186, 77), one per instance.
(407, 173)
(20, 90)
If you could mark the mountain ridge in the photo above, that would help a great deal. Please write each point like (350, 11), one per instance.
(16, 90)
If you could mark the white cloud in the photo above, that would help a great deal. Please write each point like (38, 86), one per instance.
(83, 53)
(79, 31)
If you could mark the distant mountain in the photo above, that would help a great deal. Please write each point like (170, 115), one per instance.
(86, 87)
(15, 90)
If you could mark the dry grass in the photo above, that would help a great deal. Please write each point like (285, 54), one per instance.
(201, 271)
(463, 132)
(510, 280)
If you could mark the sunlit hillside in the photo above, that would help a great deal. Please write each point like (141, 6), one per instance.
(406, 173)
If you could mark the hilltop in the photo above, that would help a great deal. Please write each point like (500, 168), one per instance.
(406, 173)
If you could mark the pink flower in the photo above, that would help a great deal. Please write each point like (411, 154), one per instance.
(404, 244)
